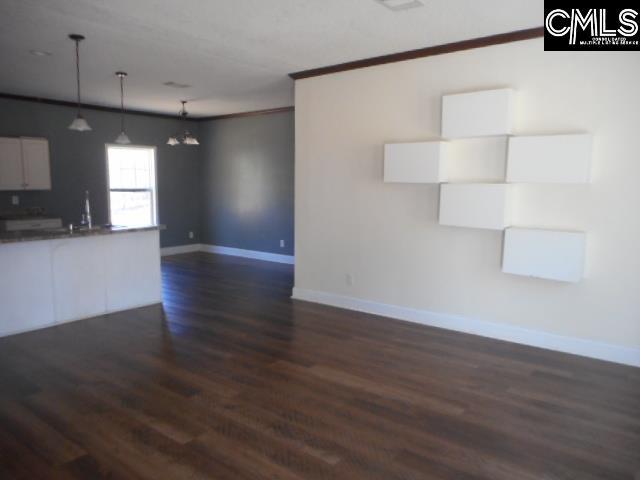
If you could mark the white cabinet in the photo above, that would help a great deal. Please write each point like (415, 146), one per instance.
(550, 159)
(420, 162)
(11, 175)
(133, 276)
(35, 161)
(55, 281)
(26, 289)
(479, 205)
(24, 164)
(478, 114)
(78, 266)
(550, 254)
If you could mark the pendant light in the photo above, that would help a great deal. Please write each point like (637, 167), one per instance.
(79, 124)
(185, 138)
(122, 139)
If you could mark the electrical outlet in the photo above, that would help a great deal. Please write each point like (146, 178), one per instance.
(191, 235)
(15, 200)
(281, 243)
(348, 278)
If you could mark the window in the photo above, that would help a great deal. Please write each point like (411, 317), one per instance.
(132, 185)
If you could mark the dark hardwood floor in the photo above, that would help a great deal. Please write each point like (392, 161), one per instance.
(233, 380)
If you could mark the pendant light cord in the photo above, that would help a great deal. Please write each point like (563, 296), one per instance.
(121, 103)
(78, 71)
(184, 119)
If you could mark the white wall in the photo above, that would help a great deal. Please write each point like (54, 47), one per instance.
(386, 236)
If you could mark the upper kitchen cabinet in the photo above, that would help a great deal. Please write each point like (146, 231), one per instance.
(24, 164)
(35, 161)
(10, 164)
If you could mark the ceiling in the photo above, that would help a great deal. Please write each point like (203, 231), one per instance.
(235, 54)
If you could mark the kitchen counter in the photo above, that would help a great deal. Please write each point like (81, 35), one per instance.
(70, 276)
(59, 233)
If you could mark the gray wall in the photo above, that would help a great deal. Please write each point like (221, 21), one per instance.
(78, 163)
(247, 182)
(235, 190)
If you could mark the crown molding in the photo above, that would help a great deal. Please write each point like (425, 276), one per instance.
(247, 114)
(480, 42)
(102, 108)
(87, 106)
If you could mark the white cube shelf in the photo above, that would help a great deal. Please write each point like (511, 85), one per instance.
(549, 254)
(422, 162)
(550, 159)
(478, 114)
(477, 205)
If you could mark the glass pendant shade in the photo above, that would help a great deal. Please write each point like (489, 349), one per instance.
(123, 139)
(190, 139)
(187, 137)
(79, 124)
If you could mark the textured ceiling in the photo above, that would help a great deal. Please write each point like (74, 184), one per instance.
(235, 54)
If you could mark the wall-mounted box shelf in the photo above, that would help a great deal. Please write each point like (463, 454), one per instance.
(476, 205)
(550, 159)
(478, 114)
(549, 254)
(422, 162)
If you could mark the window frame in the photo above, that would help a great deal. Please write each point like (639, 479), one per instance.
(154, 190)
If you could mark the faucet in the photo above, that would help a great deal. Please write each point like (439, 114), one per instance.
(87, 210)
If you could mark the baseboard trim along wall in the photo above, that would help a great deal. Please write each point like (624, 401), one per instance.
(239, 252)
(194, 247)
(510, 333)
(236, 252)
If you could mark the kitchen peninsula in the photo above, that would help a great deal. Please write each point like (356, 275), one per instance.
(55, 276)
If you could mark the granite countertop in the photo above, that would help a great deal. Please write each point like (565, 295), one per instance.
(57, 233)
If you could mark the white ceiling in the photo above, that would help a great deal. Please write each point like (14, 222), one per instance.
(235, 54)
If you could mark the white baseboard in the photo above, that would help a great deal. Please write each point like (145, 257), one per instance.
(239, 252)
(500, 331)
(236, 252)
(194, 247)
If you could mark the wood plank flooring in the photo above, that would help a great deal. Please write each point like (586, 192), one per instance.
(233, 380)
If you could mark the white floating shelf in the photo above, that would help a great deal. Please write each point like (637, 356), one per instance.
(477, 205)
(549, 254)
(550, 159)
(422, 162)
(478, 114)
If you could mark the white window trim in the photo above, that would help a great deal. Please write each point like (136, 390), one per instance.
(154, 192)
